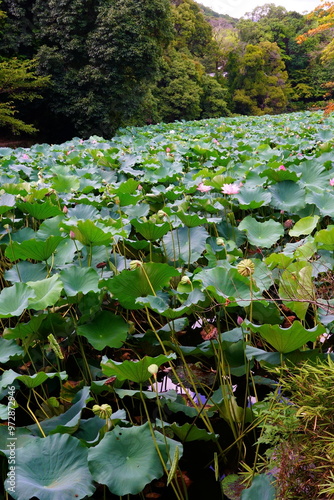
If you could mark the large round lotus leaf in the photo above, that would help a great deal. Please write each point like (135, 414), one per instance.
(125, 460)
(325, 238)
(261, 234)
(145, 280)
(287, 195)
(262, 487)
(79, 280)
(51, 468)
(14, 299)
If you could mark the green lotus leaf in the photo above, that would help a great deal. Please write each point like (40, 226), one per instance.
(225, 285)
(106, 329)
(190, 432)
(22, 330)
(132, 461)
(136, 371)
(191, 220)
(127, 187)
(83, 212)
(325, 238)
(287, 196)
(31, 381)
(39, 211)
(160, 304)
(150, 230)
(304, 226)
(324, 202)
(287, 339)
(50, 227)
(296, 285)
(65, 183)
(9, 350)
(279, 260)
(185, 244)
(26, 271)
(262, 487)
(68, 422)
(313, 174)
(14, 299)
(261, 234)
(33, 249)
(145, 280)
(138, 210)
(7, 201)
(89, 234)
(251, 198)
(79, 280)
(279, 175)
(51, 468)
(47, 292)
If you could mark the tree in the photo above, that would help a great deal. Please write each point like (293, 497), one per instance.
(18, 82)
(258, 80)
(323, 16)
(102, 55)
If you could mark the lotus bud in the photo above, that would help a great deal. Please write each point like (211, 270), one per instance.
(246, 267)
(65, 209)
(72, 235)
(240, 320)
(103, 411)
(288, 223)
(134, 264)
(161, 214)
(153, 369)
(185, 280)
(220, 242)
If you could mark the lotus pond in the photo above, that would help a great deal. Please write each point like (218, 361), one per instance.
(167, 315)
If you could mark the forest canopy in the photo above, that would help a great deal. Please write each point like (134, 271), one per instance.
(89, 67)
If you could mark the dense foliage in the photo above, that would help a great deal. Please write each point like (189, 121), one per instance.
(114, 63)
(149, 282)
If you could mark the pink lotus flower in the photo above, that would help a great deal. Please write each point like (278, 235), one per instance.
(167, 150)
(203, 188)
(240, 320)
(25, 157)
(331, 181)
(281, 167)
(231, 188)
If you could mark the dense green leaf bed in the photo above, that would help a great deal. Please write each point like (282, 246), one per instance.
(195, 253)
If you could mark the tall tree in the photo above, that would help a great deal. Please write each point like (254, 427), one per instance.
(102, 55)
(18, 83)
(258, 80)
(323, 16)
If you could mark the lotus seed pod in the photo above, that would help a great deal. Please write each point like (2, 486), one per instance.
(153, 369)
(103, 411)
(134, 264)
(161, 214)
(246, 267)
(185, 280)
